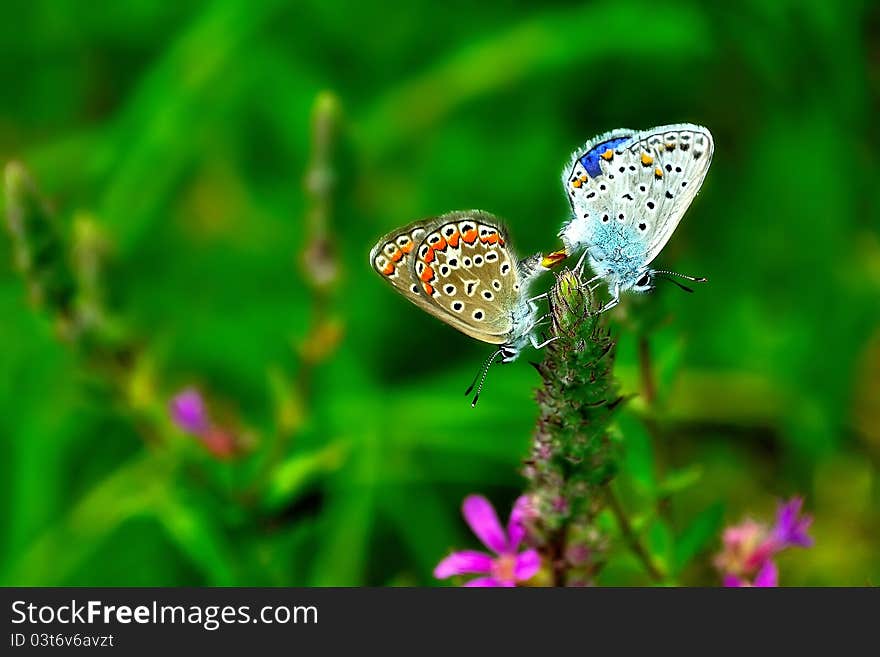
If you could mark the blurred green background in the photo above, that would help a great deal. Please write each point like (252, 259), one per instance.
(182, 134)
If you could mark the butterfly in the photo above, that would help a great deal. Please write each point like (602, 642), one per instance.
(628, 191)
(460, 268)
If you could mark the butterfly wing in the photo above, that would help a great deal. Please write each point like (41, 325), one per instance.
(583, 167)
(459, 269)
(631, 196)
(682, 154)
(391, 257)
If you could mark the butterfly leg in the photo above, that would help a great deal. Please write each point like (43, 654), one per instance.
(615, 299)
(532, 301)
(579, 267)
(541, 345)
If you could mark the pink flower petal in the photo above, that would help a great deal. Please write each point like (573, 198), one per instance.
(485, 582)
(516, 529)
(483, 520)
(527, 564)
(464, 562)
(768, 575)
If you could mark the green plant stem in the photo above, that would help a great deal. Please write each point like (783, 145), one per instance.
(630, 537)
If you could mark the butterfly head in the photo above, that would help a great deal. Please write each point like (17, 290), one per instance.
(644, 281)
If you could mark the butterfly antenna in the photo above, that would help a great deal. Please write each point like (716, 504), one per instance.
(695, 279)
(667, 275)
(481, 375)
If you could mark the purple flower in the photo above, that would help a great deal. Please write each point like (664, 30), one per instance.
(507, 566)
(791, 528)
(749, 548)
(188, 412)
(767, 576)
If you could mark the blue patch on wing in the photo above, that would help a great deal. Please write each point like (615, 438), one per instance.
(590, 159)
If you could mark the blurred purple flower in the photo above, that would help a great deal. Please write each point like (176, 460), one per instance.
(791, 528)
(188, 412)
(748, 548)
(507, 566)
(767, 576)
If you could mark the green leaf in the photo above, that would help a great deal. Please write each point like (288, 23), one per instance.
(198, 538)
(638, 454)
(679, 480)
(292, 475)
(697, 536)
(660, 545)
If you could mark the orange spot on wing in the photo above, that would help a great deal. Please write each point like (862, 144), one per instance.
(576, 182)
(647, 160)
(658, 172)
(490, 239)
(428, 288)
(470, 237)
(607, 155)
(406, 248)
(389, 269)
(453, 239)
(429, 256)
(427, 274)
(397, 256)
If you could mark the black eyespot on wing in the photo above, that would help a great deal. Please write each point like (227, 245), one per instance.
(643, 226)
(453, 262)
(444, 270)
(491, 256)
(469, 290)
(605, 217)
(669, 167)
(449, 289)
(668, 194)
(457, 306)
(650, 205)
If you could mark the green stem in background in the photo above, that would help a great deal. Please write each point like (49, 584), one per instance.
(320, 266)
(39, 248)
(630, 537)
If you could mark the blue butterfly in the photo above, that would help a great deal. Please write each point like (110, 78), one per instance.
(628, 191)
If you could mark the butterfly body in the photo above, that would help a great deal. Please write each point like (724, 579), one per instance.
(628, 191)
(460, 268)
